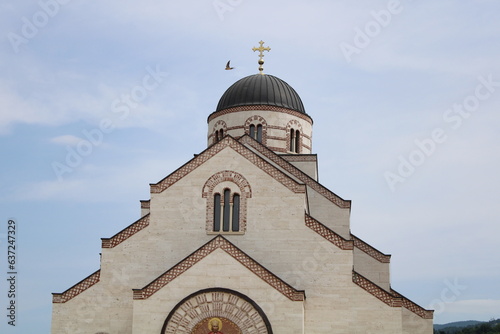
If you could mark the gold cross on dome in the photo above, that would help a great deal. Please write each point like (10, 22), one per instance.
(261, 49)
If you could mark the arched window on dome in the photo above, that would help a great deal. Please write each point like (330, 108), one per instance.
(297, 141)
(294, 141)
(256, 132)
(226, 212)
(219, 134)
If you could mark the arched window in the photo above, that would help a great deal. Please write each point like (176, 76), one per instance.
(297, 141)
(235, 224)
(226, 212)
(252, 131)
(259, 133)
(226, 193)
(218, 135)
(294, 141)
(216, 212)
(256, 132)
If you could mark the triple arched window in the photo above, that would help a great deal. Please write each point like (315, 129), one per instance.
(294, 141)
(226, 193)
(226, 212)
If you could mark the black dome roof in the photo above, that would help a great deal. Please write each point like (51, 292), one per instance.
(261, 89)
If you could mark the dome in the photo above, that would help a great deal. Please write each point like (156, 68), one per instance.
(261, 89)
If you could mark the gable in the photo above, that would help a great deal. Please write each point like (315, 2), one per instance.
(219, 243)
(242, 150)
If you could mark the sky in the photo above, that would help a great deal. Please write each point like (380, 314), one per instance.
(100, 99)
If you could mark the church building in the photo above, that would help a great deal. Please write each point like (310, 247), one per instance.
(242, 239)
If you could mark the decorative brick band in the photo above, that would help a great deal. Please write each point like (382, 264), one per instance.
(278, 149)
(232, 250)
(415, 308)
(145, 204)
(375, 290)
(300, 157)
(268, 153)
(276, 138)
(328, 234)
(125, 233)
(229, 141)
(373, 252)
(260, 107)
(76, 289)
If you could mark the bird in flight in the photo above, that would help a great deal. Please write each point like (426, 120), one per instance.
(228, 67)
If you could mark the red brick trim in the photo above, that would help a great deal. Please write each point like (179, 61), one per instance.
(375, 290)
(245, 192)
(372, 251)
(268, 153)
(328, 234)
(258, 108)
(76, 289)
(276, 127)
(228, 141)
(145, 204)
(295, 125)
(220, 124)
(256, 120)
(276, 138)
(278, 149)
(415, 308)
(300, 157)
(222, 243)
(126, 233)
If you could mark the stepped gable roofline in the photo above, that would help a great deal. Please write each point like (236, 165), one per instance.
(414, 307)
(261, 89)
(392, 298)
(370, 250)
(286, 165)
(76, 289)
(126, 233)
(220, 242)
(244, 151)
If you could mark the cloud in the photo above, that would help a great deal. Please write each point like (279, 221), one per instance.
(91, 183)
(66, 140)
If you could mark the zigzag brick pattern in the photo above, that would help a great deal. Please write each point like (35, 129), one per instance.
(419, 310)
(77, 288)
(126, 233)
(328, 234)
(244, 151)
(376, 254)
(375, 290)
(296, 172)
(219, 242)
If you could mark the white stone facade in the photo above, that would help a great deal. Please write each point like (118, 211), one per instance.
(291, 267)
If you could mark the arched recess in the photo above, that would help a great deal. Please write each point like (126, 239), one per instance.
(294, 142)
(256, 127)
(227, 304)
(219, 131)
(237, 184)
